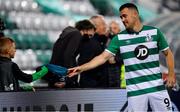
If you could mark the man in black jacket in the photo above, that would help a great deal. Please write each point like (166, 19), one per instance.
(89, 48)
(65, 51)
(97, 77)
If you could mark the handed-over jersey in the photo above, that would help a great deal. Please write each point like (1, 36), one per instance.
(140, 53)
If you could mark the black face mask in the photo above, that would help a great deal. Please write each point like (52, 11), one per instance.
(85, 36)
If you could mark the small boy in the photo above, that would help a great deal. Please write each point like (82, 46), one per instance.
(10, 73)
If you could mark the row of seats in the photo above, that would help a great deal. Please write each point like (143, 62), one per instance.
(27, 40)
(43, 56)
(79, 7)
(67, 7)
(19, 5)
(39, 21)
(30, 59)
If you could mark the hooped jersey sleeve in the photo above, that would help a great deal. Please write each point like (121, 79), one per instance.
(162, 43)
(114, 45)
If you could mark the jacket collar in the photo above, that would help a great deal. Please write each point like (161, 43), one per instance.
(5, 58)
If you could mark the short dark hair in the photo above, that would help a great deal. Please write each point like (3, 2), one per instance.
(128, 5)
(84, 25)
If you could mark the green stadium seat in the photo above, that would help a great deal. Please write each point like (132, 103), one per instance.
(49, 6)
(43, 56)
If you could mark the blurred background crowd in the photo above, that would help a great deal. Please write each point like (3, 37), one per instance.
(35, 25)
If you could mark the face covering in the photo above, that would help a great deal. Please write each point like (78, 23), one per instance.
(85, 36)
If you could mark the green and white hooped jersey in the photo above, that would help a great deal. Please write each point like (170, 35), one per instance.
(140, 53)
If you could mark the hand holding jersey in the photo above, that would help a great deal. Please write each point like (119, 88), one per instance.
(74, 71)
(57, 70)
(39, 74)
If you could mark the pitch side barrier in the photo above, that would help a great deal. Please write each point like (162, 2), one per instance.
(69, 100)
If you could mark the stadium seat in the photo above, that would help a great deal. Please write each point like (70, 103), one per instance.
(43, 56)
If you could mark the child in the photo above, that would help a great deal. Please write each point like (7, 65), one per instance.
(10, 73)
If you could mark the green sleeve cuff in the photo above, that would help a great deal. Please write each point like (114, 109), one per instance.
(40, 74)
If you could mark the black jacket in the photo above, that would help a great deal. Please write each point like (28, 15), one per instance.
(66, 47)
(102, 39)
(64, 54)
(96, 77)
(10, 74)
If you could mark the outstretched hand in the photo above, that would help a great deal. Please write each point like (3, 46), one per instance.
(74, 71)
